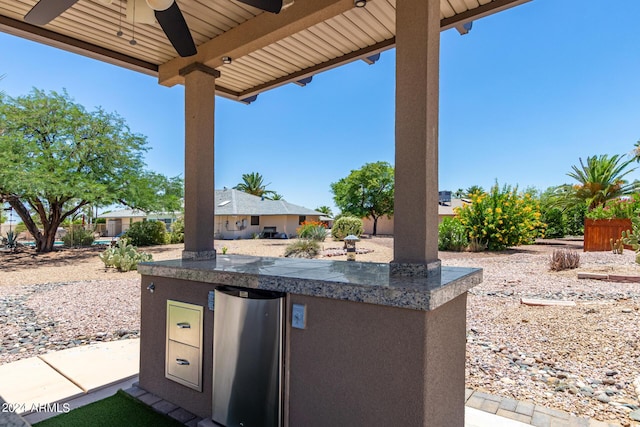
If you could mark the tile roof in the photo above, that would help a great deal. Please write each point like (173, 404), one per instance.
(235, 202)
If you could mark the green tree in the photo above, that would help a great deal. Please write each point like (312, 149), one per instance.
(56, 158)
(366, 192)
(276, 196)
(325, 210)
(253, 183)
(473, 190)
(600, 179)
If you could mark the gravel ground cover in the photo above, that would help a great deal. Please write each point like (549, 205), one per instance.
(584, 359)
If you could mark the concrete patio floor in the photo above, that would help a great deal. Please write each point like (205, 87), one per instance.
(42, 387)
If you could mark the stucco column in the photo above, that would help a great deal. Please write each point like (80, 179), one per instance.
(416, 163)
(199, 82)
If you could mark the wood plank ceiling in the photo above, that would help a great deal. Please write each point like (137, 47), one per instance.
(90, 27)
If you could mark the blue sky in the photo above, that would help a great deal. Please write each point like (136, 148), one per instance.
(523, 96)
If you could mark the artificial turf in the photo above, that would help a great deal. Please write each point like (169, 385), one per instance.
(115, 411)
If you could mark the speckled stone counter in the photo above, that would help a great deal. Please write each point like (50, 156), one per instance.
(349, 281)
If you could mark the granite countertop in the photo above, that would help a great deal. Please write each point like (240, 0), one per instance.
(343, 280)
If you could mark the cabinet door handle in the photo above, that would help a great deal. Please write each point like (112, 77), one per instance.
(184, 325)
(182, 362)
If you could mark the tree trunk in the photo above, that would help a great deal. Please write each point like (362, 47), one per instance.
(375, 225)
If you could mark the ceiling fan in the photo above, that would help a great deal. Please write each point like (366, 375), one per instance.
(167, 14)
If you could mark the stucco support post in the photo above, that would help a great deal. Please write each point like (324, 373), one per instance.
(416, 163)
(199, 197)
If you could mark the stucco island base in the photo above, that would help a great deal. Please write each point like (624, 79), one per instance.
(376, 349)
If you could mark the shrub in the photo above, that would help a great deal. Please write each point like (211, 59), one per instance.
(147, 233)
(312, 230)
(574, 220)
(564, 259)
(177, 231)
(502, 218)
(302, 248)
(554, 220)
(123, 256)
(346, 225)
(452, 235)
(629, 207)
(78, 236)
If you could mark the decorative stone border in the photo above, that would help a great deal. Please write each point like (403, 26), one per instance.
(610, 277)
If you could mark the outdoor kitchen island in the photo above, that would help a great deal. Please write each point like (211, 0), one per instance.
(375, 347)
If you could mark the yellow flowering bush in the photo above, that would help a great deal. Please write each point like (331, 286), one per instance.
(502, 218)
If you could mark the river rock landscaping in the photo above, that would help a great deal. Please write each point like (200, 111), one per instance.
(584, 358)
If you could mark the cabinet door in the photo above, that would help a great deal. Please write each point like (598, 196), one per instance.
(184, 323)
(184, 364)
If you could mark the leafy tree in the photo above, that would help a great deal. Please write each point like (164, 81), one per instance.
(366, 192)
(276, 196)
(57, 158)
(253, 183)
(325, 210)
(600, 179)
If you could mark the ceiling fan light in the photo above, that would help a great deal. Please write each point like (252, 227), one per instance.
(159, 5)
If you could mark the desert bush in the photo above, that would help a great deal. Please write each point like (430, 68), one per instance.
(452, 235)
(574, 220)
(502, 218)
(302, 248)
(147, 233)
(554, 220)
(78, 236)
(177, 231)
(346, 225)
(20, 228)
(123, 256)
(628, 207)
(312, 230)
(564, 259)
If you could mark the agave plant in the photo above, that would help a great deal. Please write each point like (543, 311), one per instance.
(12, 239)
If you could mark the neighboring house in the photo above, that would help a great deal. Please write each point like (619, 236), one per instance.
(241, 215)
(238, 215)
(385, 224)
(119, 221)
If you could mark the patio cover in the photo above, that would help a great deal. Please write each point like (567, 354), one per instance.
(267, 50)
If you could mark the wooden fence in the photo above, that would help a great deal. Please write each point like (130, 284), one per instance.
(599, 232)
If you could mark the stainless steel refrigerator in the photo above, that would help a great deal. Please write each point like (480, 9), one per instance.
(247, 357)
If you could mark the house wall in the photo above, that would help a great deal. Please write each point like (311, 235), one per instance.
(225, 226)
(385, 225)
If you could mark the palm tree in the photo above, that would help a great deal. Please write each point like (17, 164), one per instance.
(276, 196)
(474, 189)
(325, 210)
(600, 180)
(253, 183)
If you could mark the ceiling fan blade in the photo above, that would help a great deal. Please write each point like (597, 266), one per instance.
(273, 6)
(176, 29)
(46, 10)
